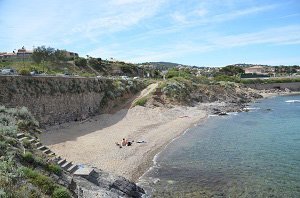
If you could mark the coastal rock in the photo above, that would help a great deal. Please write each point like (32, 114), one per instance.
(103, 184)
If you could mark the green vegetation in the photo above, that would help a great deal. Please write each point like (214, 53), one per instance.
(54, 168)
(178, 73)
(231, 70)
(61, 193)
(141, 101)
(24, 171)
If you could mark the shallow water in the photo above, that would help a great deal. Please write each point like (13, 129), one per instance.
(250, 154)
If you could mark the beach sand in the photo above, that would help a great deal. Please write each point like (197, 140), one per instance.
(93, 142)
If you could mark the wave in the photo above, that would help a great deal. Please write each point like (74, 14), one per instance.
(251, 108)
(292, 101)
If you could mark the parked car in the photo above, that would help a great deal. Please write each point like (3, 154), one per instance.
(33, 73)
(136, 77)
(125, 77)
(8, 71)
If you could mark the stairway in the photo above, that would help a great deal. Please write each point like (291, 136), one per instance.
(63, 163)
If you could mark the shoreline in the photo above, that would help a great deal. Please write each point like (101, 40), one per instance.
(93, 142)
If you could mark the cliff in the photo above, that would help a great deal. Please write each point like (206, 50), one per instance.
(55, 100)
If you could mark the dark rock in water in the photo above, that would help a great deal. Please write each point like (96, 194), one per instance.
(222, 113)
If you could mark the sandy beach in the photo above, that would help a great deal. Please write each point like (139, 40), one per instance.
(92, 142)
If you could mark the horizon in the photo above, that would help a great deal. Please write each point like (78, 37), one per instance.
(208, 33)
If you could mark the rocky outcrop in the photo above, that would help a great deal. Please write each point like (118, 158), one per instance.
(103, 184)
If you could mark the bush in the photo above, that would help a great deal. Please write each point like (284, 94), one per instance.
(177, 73)
(43, 182)
(141, 102)
(61, 193)
(226, 78)
(54, 169)
(29, 173)
(24, 72)
(28, 157)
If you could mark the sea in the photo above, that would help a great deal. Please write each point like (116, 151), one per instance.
(247, 154)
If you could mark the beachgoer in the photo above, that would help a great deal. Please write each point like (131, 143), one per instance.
(124, 142)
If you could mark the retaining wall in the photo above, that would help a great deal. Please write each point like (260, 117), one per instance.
(55, 100)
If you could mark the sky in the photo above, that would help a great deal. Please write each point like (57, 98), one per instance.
(191, 32)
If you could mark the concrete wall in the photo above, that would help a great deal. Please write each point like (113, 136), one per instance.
(295, 86)
(54, 100)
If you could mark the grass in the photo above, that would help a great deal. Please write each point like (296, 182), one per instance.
(141, 102)
(46, 184)
(61, 193)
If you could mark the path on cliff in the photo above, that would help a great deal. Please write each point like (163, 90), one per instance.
(145, 92)
(130, 102)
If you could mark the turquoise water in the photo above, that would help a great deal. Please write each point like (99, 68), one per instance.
(250, 154)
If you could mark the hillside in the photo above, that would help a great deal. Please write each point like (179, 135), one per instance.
(162, 65)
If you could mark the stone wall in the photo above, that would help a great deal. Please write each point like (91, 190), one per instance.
(294, 86)
(54, 100)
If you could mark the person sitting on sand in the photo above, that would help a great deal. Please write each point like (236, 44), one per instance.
(124, 142)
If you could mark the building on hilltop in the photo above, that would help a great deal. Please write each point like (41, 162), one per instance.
(23, 53)
(71, 54)
(6, 55)
(255, 70)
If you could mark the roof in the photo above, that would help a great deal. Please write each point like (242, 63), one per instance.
(256, 67)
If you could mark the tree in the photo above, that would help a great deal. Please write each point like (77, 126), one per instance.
(231, 70)
(81, 62)
(95, 63)
(42, 53)
(60, 55)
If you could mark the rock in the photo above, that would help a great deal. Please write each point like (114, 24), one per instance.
(103, 184)
(222, 113)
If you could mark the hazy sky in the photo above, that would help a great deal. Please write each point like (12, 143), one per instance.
(194, 32)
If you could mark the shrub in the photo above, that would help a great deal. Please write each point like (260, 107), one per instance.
(226, 78)
(43, 182)
(54, 169)
(61, 193)
(2, 109)
(28, 157)
(141, 102)
(24, 72)
(178, 73)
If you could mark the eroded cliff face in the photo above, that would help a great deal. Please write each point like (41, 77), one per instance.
(55, 100)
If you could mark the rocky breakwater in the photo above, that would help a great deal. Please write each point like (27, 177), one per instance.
(55, 100)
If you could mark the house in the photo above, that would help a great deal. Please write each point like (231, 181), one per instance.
(255, 70)
(71, 54)
(7, 55)
(23, 53)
